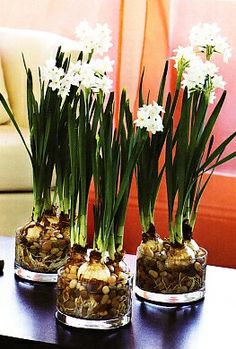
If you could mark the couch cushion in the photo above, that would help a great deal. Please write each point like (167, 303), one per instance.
(16, 210)
(37, 47)
(3, 114)
(15, 166)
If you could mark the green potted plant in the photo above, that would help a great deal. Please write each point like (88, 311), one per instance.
(100, 294)
(84, 281)
(94, 287)
(42, 244)
(175, 272)
(148, 181)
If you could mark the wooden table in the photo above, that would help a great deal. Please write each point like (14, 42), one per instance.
(27, 317)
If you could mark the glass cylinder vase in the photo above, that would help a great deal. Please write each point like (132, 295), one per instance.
(41, 249)
(103, 301)
(170, 275)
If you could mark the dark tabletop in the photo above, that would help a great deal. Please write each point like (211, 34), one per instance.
(27, 317)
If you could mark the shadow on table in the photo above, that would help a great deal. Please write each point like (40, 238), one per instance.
(120, 338)
(40, 296)
(168, 327)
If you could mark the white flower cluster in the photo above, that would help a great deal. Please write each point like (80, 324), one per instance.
(206, 38)
(195, 69)
(184, 55)
(203, 76)
(90, 73)
(97, 40)
(148, 116)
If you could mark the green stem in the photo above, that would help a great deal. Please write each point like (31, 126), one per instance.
(72, 235)
(187, 209)
(192, 219)
(146, 219)
(120, 238)
(111, 247)
(178, 229)
(171, 232)
(47, 199)
(82, 239)
(209, 52)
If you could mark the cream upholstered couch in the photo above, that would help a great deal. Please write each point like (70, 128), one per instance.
(15, 169)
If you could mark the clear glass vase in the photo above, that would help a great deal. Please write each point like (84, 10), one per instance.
(41, 249)
(104, 303)
(170, 275)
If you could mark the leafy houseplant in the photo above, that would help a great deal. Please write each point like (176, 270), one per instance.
(102, 278)
(148, 182)
(175, 272)
(42, 244)
(94, 287)
(87, 282)
(150, 158)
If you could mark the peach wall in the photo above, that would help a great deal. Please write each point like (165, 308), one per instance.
(184, 14)
(132, 37)
(59, 16)
(144, 44)
(155, 46)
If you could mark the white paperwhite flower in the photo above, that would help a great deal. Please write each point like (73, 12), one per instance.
(218, 81)
(202, 76)
(88, 75)
(92, 75)
(85, 35)
(97, 40)
(195, 75)
(206, 38)
(83, 30)
(102, 65)
(74, 72)
(212, 97)
(57, 79)
(65, 85)
(103, 38)
(183, 56)
(148, 116)
(104, 84)
(52, 74)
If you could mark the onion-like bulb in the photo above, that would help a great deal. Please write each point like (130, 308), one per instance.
(94, 269)
(151, 242)
(192, 244)
(77, 254)
(155, 245)
(179, 257)
(33, 232)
